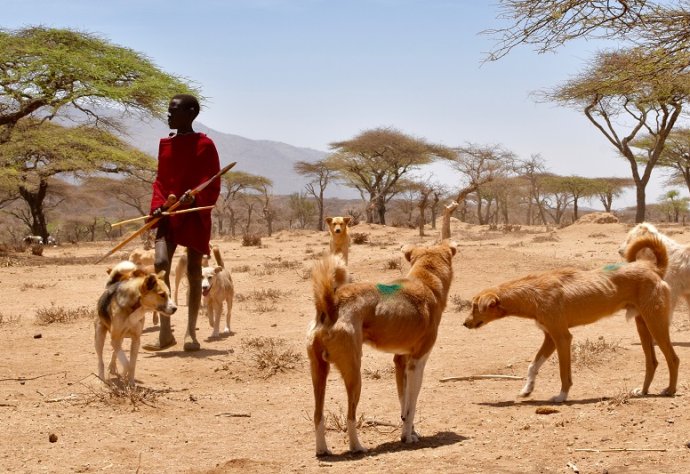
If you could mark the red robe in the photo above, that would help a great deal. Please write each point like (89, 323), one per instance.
(184, 162)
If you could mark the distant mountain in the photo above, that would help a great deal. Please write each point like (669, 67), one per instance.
(267, 158)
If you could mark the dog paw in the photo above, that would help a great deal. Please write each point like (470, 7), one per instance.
(358, 448)
(560, 398)
(226, 332)
(638, 392)
(411, 438)
(323, 453)
(526, 391)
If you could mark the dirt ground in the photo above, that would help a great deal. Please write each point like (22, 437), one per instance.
(245, 402)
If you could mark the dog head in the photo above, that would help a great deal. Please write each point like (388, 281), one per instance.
(154, 293)
(486, 307)
(337, 225)
(640, 230)
(443, 251)
(208, 276)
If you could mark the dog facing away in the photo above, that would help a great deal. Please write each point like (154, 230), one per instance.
(401, 318)
(181, 270)
(678, 272)
(340, 239)
(564, 298)
(142, 257)
(129, 293)
(216, 288)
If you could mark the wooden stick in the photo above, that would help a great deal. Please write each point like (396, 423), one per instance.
(235, 415)
(172, 213)
(23, 379)
(617, 450)
(481, 377)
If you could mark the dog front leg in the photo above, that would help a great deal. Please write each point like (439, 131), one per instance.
(414, 375)
(215, 311)
(563, 342)
(99, 338)
(544, 352)
(133, 353)
(119, 354)
(400, 361)
(319, 376)
(228, 316)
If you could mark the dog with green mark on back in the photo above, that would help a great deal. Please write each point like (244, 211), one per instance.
(401, 318)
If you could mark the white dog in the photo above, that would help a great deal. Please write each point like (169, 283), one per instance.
(217, 287)
(678, 272)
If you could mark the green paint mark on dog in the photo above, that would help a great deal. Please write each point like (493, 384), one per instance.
(389, 289)
(612, 267)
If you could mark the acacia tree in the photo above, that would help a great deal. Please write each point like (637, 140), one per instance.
(321, 175)
(44, 69)
(36, 152)
(673, 204)
(609, 188)
(621, 108)
(235, 184)
(676, 157)
(375, 160)
(579, 188)
(481, 164)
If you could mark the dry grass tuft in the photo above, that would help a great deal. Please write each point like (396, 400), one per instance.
(241, 269)
(59, 314)
(270, 354)
(261, 294)
(359, 238)
(393, 264)
(338, 421)
(251, 240)
(282, 265)
(8, 319)
(622, 398)
(8, 262)
(37, 249)
(378, 373)
(460, 304)
(552, 237)
(593, 352)
(35, 286)
(120, 392)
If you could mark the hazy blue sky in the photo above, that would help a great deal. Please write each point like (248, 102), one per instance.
(310, 72)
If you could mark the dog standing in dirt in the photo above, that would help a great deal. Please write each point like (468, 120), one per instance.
(129, 293)
(181, 271)
(340, 240)
(678, 272)
(563, 298)
(401, 318)
(216, 288)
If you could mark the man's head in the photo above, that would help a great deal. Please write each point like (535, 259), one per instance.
(182, 111)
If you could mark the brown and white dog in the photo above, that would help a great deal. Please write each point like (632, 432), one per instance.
(181, 270)
(678, 272)
(129, 293)
(563, 298)
(340, 240)
(217, 288)
(401, 318)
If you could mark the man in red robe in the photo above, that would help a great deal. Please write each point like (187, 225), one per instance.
(185, 160)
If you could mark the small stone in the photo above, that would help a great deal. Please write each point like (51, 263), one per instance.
(687, 444)
(38, 335)
(52, 438)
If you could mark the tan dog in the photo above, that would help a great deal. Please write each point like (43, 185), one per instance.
(181, 270)
(217, 288)
(678, 272)
(129, 293)
(401, 318)
(142, 257)
(340, 240)
(560, 299)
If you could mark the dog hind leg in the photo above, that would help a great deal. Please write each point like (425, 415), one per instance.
(651, 362)
(133, 353)
(120, 354)
(348, 360)
(544, 352)
(658, 328)
(100, 334)
(319, 377)
(414, 374)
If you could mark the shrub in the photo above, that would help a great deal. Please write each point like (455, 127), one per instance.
(359, 238)
(58, 314)
(251, 240)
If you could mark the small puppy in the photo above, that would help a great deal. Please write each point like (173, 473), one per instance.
(678, 272)
(563, 298)
(216, 288)
(181, 270)
(401, 318)
(340, 240)
(129, 293)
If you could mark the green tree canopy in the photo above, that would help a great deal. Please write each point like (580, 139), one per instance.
(43, 69)
(374, 161)
(36, 152)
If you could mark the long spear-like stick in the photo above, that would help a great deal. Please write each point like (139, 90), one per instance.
(166, 213)
(175, 205)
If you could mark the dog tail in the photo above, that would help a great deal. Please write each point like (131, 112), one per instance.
(218, 257)
(327, 275)
(657, 247)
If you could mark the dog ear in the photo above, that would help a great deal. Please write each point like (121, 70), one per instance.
(489, 301)
(407, 251)
(150, 282)
(328, 220)
(217, 270)
(453, 247)
(161, 274)
(347, 220)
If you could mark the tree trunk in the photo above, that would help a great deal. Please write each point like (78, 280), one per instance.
(321, 216)
(35, 202)
(641, 202)
(381, 210)
(445, 226)
(574, 209)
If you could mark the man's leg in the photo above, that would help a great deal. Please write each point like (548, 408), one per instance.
(164, 254)
(193, 298)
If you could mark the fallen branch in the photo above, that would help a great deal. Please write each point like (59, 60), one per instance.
(8, 405)
(235, 415)
(71, 396)
(480, 377)
(620, 450)
(24, 379)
